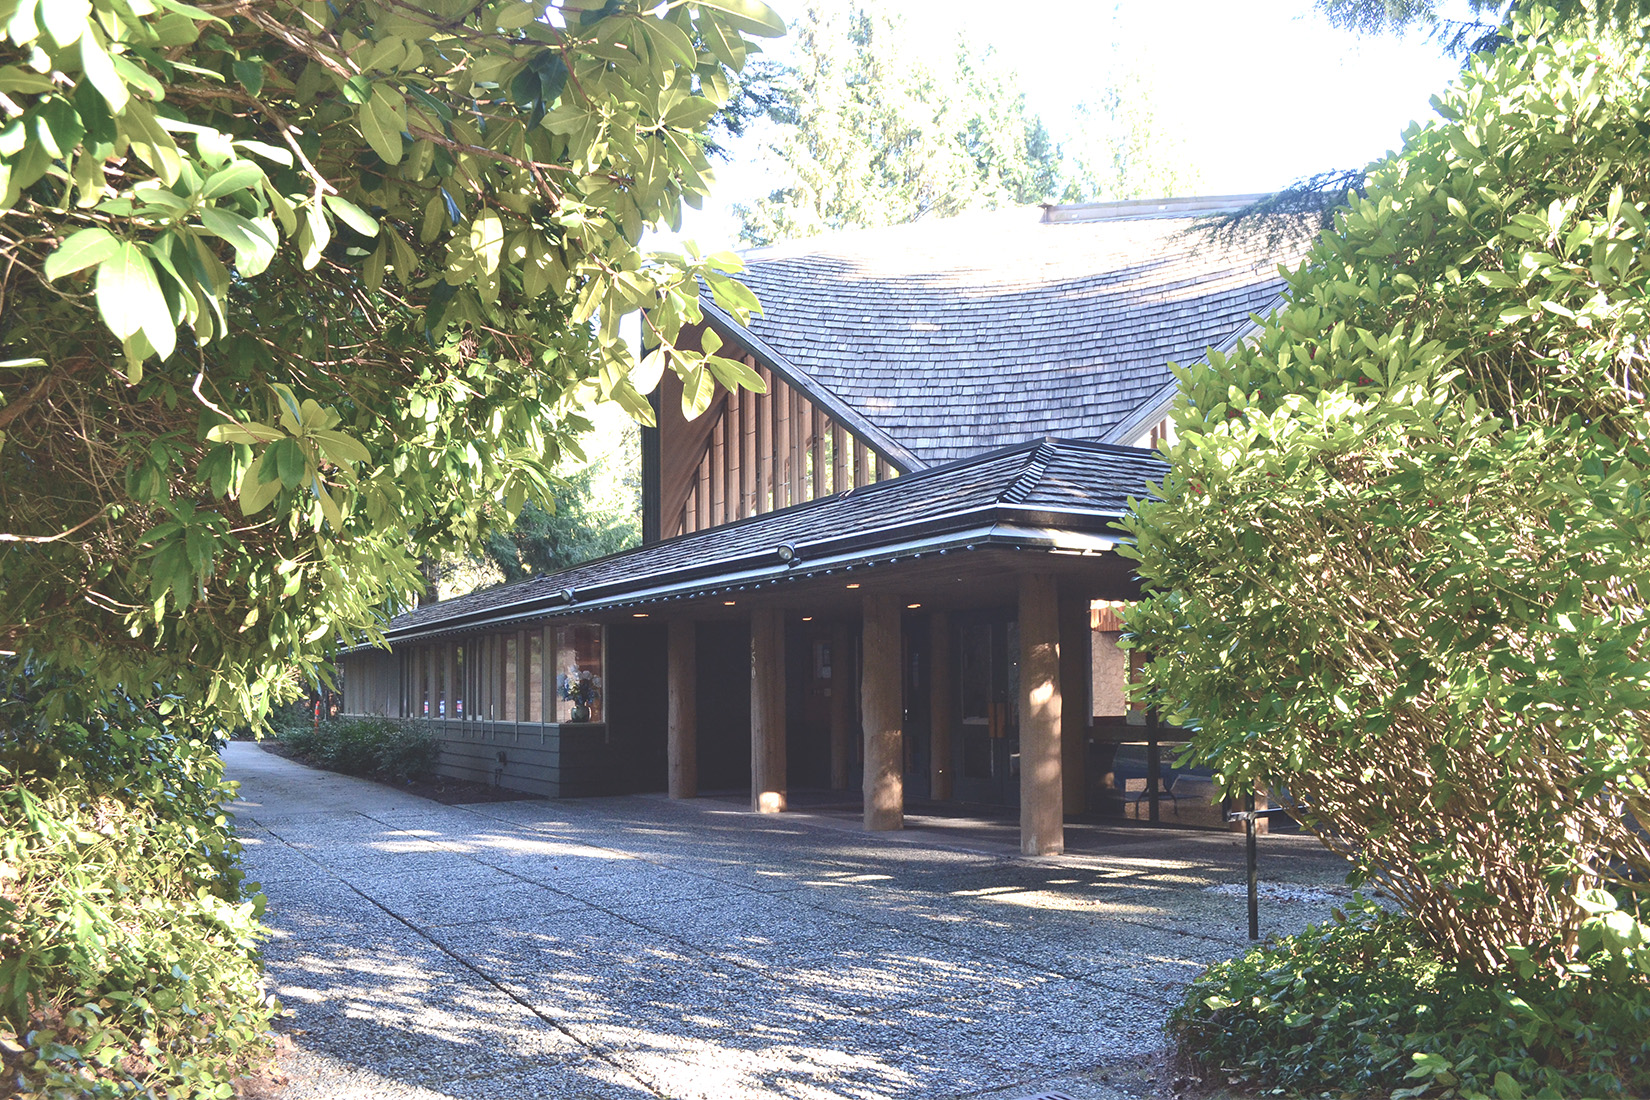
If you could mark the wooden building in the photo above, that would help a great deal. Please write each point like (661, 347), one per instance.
(893, 571)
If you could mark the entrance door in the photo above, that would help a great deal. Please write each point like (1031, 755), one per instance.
(986, 743)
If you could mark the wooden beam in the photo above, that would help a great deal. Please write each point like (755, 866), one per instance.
(884, 471)
(942, 706)
(784, 475)
(764, 446)
(703, 492)
(839, 458)
(682, 723)
(734, 493)
(816, 450)
(797, 448)
(882, 704)
(1042, 813)
(747, 449)
(844, 705)
(768, 711)
(718, 463)
(862, 464)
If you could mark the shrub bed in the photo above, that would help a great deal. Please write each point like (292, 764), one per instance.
(128, 947)
(1361, 1007)
(375, 748)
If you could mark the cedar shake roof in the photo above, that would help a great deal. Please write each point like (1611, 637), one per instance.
(958, 336)
(1031, 495)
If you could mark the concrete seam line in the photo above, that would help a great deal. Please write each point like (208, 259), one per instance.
(598, 1052)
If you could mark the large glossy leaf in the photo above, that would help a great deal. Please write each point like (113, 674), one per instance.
(87, 248)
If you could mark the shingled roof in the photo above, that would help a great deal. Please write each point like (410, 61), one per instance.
(957, 336)
(1030, 495)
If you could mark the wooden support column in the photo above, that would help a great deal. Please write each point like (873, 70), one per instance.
(816, 450)
(839, 459)
(682, 724)
(764, 446)
(748, 403)
(942, 703)
(781, 445)
(719, 472)
(1076, 709)
(1042, 831)
(844, 705)
(799, 434)
(731, 445)
(768, 711)
(882, 710)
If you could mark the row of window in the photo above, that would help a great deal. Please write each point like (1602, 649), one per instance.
(504, 677)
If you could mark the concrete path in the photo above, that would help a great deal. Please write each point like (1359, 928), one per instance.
(640, 948)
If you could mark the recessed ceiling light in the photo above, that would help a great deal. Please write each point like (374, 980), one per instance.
(807, 618)
(854, 585)
(728, 603)
(912, 606)
(638, 614)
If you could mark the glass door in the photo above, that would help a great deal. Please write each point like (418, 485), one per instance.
(986, 743)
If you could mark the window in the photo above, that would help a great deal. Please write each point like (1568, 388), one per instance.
(507, 689)
(579, 674)
(535, 676)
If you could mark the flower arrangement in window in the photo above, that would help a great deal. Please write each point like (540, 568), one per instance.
(582, 688)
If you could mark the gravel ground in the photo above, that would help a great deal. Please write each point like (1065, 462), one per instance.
(639, 948)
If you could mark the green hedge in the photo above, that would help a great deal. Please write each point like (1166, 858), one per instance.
(1361, 1007)
(376, 748)
(128, 948)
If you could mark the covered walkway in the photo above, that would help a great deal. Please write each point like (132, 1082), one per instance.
(641, 946)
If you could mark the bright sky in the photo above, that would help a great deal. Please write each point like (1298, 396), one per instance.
(1261, 92)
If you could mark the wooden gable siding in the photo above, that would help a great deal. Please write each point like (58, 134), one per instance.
(750, 453)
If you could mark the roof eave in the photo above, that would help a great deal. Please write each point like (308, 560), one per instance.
(1073, 531)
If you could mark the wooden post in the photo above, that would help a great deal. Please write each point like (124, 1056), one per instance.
(682, 725)
(764, 446)
(719, 472)
(1076, 709)
(882, 705)
(748, 482)
(942, 703)
(816, 449)
(844, 700)
(799, 433)
(840, 480)
(735, 446)
(1042, 831)
(768, 711)
(781, 445)
(702, 491)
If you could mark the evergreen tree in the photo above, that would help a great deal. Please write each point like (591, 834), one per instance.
(873, 136)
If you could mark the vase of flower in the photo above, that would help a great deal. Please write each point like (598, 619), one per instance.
(579, 687)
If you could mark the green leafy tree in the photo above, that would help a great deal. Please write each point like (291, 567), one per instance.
(295, 294)
(595, 510)
(873, 135)
(1396, 573)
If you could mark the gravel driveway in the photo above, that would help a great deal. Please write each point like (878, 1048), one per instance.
(637, 947)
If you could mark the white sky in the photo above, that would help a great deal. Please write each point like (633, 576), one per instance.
(1261, 92)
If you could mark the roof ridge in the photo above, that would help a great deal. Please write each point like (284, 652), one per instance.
(1037, 464)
